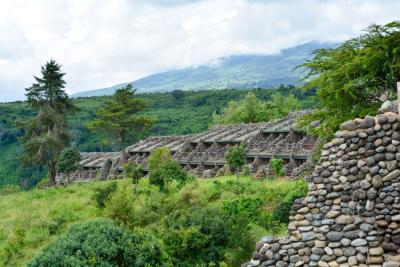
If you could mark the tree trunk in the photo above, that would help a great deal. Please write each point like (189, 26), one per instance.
(52, 173)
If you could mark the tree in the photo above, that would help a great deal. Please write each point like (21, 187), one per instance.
(69, 160)
(133, 171)
(236, 158)
(251, 109)
(119, 118)
(353, 78)
(46, 134)
(178, 95)
(164, 170)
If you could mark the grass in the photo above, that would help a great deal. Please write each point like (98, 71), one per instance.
(30, 220)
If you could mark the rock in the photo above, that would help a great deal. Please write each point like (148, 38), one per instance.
(368, 122)
(334, 236)
(358, 242)
(348, 126)
(392, 175)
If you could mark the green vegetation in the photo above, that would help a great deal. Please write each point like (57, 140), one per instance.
(164, 170)
(133, 171)
(102, 243)
(277, 167)
(118, 118)
(354, 78)
(69, 160)
(235, 158)
(192, 114)
(251, 109)
(46, 134)
(205, 221)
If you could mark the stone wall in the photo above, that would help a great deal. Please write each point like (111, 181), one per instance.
(351, 215)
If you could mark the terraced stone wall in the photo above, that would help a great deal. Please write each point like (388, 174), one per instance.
(351, 215)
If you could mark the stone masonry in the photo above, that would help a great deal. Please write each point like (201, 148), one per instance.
(351, 215)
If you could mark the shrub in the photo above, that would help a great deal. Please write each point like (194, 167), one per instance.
(69, 160)
(103, 193)
(102, 243)
(282, 211)
(164, 170)
(236, 158)
(14, 245)
(120, 207)
(276, 166)
(133, 171)
(243, 207)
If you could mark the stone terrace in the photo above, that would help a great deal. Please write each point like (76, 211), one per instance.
(204, 153)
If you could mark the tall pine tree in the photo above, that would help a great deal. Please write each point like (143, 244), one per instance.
(46, 134)
(120, 119)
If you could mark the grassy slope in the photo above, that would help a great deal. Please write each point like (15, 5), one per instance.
(47, 213)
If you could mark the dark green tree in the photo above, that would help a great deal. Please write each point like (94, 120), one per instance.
(69, 160)
(354, 78)
(119, 118)
(46, 134)
(236, 158)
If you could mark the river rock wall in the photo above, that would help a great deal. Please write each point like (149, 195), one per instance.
(351, 215)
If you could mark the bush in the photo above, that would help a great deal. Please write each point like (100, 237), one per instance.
(120, 207)
(244, 207)
(164, 170)
(236, 158)
(102, 243)
(282, 212)
(133, 171)
(14, 245)
(103, 193)
(276, 166)
(69, 160)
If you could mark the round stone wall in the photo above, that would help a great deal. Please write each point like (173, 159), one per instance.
(351, 214)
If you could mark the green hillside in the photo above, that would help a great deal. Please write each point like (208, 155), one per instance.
(189, 113)
(31, 220)
(236, 71)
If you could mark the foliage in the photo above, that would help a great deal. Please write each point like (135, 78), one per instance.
(46, 134)
(120, 207)
(353, 78)
(251, 109)
(133, 171)
(235, 157)
(102, 194)
(45, 215)
(277, 167)
(244, 207)
(102, 243)
(191, 115)
(167, 173)
(164, 170)
(69, 160)
(282, 211)
(119, 117)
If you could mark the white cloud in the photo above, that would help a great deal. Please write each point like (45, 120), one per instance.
(104, 42)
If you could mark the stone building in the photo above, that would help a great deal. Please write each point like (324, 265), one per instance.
(204, 154)
(351, 215)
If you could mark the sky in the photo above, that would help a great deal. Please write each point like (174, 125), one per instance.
(101, 43)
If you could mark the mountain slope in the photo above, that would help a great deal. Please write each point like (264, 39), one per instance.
(238, 71)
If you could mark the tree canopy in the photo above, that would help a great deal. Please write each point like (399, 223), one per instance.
(46, 134)
(119, 117)
(251, 109)
(353, 78)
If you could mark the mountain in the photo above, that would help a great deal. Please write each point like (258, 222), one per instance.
(236, 72)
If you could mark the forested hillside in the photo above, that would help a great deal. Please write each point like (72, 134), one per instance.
(175, 112)
(236, 71)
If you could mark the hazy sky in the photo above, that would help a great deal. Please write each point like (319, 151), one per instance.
(104, 42)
